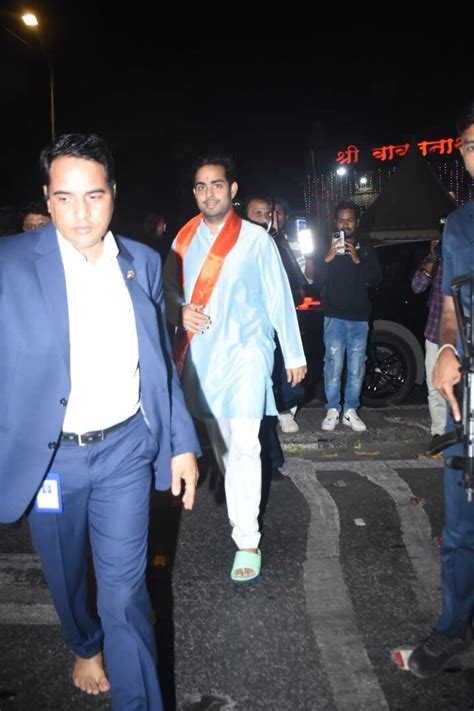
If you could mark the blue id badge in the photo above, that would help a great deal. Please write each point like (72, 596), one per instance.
(48, 498)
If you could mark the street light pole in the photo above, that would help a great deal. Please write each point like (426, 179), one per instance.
(52, 111)
(30, 20)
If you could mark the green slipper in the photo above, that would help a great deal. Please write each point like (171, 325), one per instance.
(246, 559)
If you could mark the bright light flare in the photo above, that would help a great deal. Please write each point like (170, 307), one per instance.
(305, 238)
(30, 20)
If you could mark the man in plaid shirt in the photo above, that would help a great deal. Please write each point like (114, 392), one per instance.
(430, 274)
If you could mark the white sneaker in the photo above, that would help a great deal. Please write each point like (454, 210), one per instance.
(287, 422)
(331, 420)
(352, 419)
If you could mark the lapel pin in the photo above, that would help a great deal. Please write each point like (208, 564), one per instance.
(131, 274)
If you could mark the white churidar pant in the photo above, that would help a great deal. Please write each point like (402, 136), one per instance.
(236, 448)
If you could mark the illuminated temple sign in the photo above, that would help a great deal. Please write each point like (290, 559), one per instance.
(441, 146)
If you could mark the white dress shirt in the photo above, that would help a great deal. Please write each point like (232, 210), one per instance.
(105, 377)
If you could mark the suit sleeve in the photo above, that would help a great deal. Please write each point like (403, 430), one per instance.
(183, 434)
(174, 297)
(448, 261)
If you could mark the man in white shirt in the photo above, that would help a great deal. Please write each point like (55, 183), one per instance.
(90, 402)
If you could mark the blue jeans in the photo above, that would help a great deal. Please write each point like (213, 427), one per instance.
(342, 336)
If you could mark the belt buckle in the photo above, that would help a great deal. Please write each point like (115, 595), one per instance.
(80, 442)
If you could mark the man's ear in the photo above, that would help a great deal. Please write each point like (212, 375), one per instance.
(233, 189)
(114, 190)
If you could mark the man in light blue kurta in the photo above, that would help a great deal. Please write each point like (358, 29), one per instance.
(227, 374)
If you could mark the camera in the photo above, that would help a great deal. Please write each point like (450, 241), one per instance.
(339, 240)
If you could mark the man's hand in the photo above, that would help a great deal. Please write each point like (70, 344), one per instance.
(352, 252)
(430, 260)
(446, 371)
(433, 250)
(332, 253)
(193, 319)
(446, 374)
(184, 468)
(296, 375)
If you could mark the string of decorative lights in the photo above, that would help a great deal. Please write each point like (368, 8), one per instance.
(322, 192)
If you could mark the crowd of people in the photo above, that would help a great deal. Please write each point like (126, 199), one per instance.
(99, 406)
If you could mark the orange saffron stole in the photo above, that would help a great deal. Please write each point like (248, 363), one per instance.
(208, 275)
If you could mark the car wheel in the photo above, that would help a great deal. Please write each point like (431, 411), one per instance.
(390, 370)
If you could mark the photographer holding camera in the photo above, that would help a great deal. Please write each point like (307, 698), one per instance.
(348, 269)
(429, 275)
(452, 634)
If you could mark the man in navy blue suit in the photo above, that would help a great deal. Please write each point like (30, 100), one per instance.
(91, 404)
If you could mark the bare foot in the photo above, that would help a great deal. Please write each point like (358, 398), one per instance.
(89, 675)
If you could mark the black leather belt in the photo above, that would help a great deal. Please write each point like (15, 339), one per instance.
(92, 437)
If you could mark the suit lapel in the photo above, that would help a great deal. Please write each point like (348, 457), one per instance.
(53, 285)
(150, 330)
(140, 300)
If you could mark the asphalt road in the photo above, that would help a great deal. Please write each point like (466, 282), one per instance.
(350, 571)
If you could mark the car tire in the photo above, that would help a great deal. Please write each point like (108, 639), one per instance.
(390, 370)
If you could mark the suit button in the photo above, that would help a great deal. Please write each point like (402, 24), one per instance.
(52, 445)
(63, 401)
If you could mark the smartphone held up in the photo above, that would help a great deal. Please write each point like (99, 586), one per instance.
(339, 241)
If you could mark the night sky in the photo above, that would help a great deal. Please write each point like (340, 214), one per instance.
(259, 84)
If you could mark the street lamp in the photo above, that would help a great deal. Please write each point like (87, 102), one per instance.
(30, 20)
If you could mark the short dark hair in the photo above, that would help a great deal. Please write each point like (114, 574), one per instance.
(226, 161)
(284, 203)
(466, 119)
(36, 207)
(256, 196)
(155, 215)
(347, 205)
(78, 145)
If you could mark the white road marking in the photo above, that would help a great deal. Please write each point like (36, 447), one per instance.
(353, 681)
(27, 614)
(23, 602)
(416, 528)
